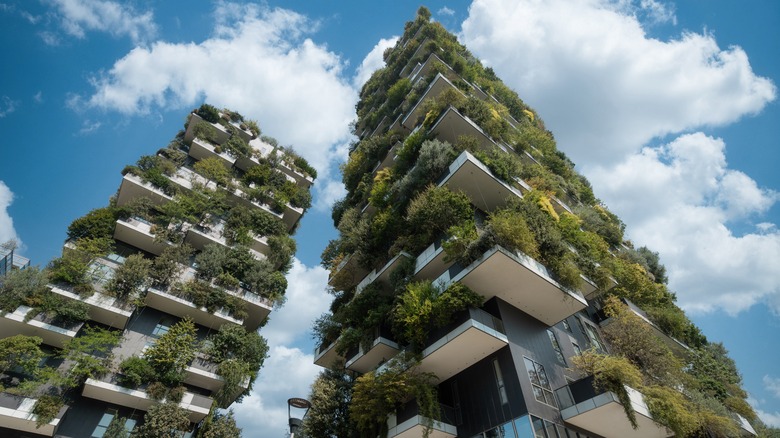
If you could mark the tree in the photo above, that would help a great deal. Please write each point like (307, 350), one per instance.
(167, 420)
(91, 353)
(330, 397)
(220, 426)
(18, 285)
(20, 352)
(171, 354)
(130, 278)
(116, 429)
(213, 169)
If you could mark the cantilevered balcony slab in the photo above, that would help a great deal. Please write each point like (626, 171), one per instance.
(473, 337)
(415, 428)
(325, 355)
(138, 233)
(14, 323)
(439, 84)
(257, 307)
(389, 159)
(602, 414)
(348, 273)
(133, 187)
(102, 308)
(201, 149)
(197, 406)
(189, 134)
(426, 68)
(382, 275)
(469, 175)
(16, 414)
(380, 351)
(522, 282)
(431, 263)
(174, 305)
(452, 124)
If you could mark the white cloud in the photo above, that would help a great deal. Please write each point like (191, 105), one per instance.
(38, 97)
(602, 85)
(446, 11)
(771, 419)
(88, 126)
(288, 372)
(606, 90)
(373, 61)
(7, 106)
(7, 231)
(772, 384)
(260, 65)
(79, 16)
(677, 199)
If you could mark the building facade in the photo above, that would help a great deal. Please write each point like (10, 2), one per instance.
(153, 310)
(468, 242)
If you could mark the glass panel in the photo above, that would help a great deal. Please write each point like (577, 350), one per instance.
(538, 393)
(529, 364)
(506, 430)
(577, 349)
(130, 424)
(538, 425)
(551, 430)
(566, 325)
(548, 398)
(543, 381)
(523, 428)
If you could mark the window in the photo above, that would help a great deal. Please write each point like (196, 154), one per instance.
(162, 327)
(576, 347)
(500, 382)
(106, 420)
(566, 325)
(595, 339)
(99, 272)
(556, 346)
(547, 429)
(539, 382)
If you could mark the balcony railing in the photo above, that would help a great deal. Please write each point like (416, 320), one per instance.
(108, 390)
(381, 349)
(189, 135)
(409, 423)
(16, 413)
(473, 335)
(102, 308)
(382, 275)
(600, 412)
(50, 330)
(679, 348)
(325, 355)
(438, 85)
(178, 304)
(138, 233)
(486, 191)
(134, 187)
(519, 280)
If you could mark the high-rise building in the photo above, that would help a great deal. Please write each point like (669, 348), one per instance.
(482, 290)
(149, 320)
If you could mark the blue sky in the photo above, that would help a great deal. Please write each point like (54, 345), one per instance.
(670, 110)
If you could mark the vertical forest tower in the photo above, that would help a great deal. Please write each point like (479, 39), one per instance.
(482, 290)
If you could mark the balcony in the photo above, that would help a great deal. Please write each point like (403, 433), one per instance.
(201, 149)
(474, 335)
(745, 428)
(408, 423)
(438, 85)
(348, 273)
(602, 414)
(102, 308)
(134, 187)
(16, 413)
(325, 355)
(389, 158)
(189, 135)
(382, 348)
(382, 276)
(175, 305)
(187, 178)
(470, 176)
(137, 232)
(677, 347)
(258, 308)
(425, 68)
(431, 263)
(521, 281)
(202, 373)
(52, 332)
(452, 124)
(197, 406)
(264, 150)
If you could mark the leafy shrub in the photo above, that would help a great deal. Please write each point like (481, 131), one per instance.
(46, 409)
(131, 278)
(208, 113)
(135, 371)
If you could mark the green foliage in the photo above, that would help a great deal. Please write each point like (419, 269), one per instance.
(169, 264)
(503, 165)
(512, 232)
(20, 352)
(433, 212)
(90, 352)
(131, 278)
(252, 126)
(213, 170)
(330, 398)
(173, 351)
(377, 395)
(18, 286)
(70, 269)
(234, 373)
(46, 409)
(232, 341)
(612, 373)
(220, 425)
(167, 420)
(237, 147)
(135, 371)
(116, 428)
(208, 113)
(434, 157)
(96, 224)
(282, 250)
(397, 93)
(670, 408)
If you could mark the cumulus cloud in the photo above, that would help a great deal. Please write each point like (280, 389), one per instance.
(7, 106)
(288, 372)
(602, 85)
(7, 231)
(771, 419)
(607, 91)
(772, 384)
(445, 11)
(260, 65)
(678, 198)
(373, 61)
(76, 17)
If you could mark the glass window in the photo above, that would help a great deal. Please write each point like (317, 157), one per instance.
(523, 427)
(102, 425)
(539, 382)
(594, 337)
(503, 431)
(577, 349)
(162, 327)
(538, 425)
(556, 346)
(566, 325)
(500, 383)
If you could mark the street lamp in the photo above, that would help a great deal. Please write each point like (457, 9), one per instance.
(299, 403)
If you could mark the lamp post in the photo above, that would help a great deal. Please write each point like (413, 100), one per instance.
(299, 403)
